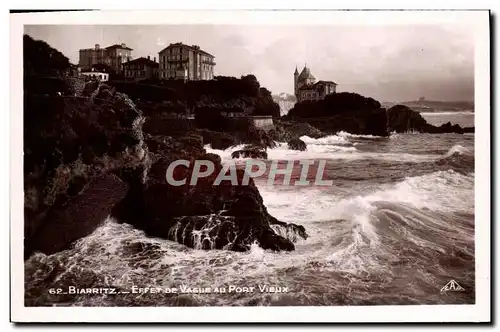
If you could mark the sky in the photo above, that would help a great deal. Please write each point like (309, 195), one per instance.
(388, 63)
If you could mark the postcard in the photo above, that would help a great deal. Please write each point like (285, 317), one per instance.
(250, 166)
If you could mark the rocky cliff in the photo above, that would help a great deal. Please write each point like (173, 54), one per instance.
(90, 156)
(343, 111)
(403, 119)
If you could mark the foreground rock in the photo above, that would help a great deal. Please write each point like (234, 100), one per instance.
(297, 144)
(80, 216)
(218, 140)
(70, 142)
(402, 119)
(203, 215)
(250, 151)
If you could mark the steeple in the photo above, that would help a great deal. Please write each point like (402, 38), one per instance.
(296, 71)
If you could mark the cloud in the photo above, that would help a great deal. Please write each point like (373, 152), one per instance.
(160, 42)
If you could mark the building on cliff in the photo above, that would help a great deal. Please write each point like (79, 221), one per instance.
(188, 63)
(113, 56)
(101, 76)
(141, 68)
(306, 87)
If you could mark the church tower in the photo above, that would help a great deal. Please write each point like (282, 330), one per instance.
(295, 81)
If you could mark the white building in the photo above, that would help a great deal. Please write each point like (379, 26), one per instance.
(103, 77)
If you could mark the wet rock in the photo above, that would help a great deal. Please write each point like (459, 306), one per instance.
(70, 142)
(289, 231)
(228, 216)
(403, 119)
(218, 140)
(297, 144)
(298, 129)
(79, 217)
(255, 152)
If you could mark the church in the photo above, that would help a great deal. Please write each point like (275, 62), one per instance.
(306, 87)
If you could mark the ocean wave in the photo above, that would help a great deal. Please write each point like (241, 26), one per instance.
(327, 140)
(458, 149)
(349, 135)
(423, 212)
(324, 151)
(446, 191)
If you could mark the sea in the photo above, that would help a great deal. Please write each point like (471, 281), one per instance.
(395, 227)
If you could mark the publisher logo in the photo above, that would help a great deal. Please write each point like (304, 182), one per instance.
(452, 286)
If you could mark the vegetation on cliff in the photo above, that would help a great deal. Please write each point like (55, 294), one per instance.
(41, 59)
(222, 94)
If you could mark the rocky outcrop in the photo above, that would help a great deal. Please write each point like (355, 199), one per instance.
(69, 143)
(287, 130)
(79, 217)
(250, 151)
(204, 214)
(218, 140)
(171, 126)
(343, 111)
(290, 231)
(297, 144)
(402, 119)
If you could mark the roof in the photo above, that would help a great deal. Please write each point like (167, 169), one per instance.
(144, 61)
(192, 48)
(122, 46)
(315, 85)
(306, 74)
(325, 82)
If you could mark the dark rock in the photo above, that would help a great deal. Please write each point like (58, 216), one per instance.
(297, 144)
(299, 129)
(289, 231)
(204, 216)
(218, 140)
(255, 152)
(403, 119)
(69, 142)
(79, 217)
(257, 137)
(343, 111)
(174, 127)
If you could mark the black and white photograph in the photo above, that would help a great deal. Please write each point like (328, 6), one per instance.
(265, 160)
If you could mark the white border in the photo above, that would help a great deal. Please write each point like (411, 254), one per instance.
(475, 20)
